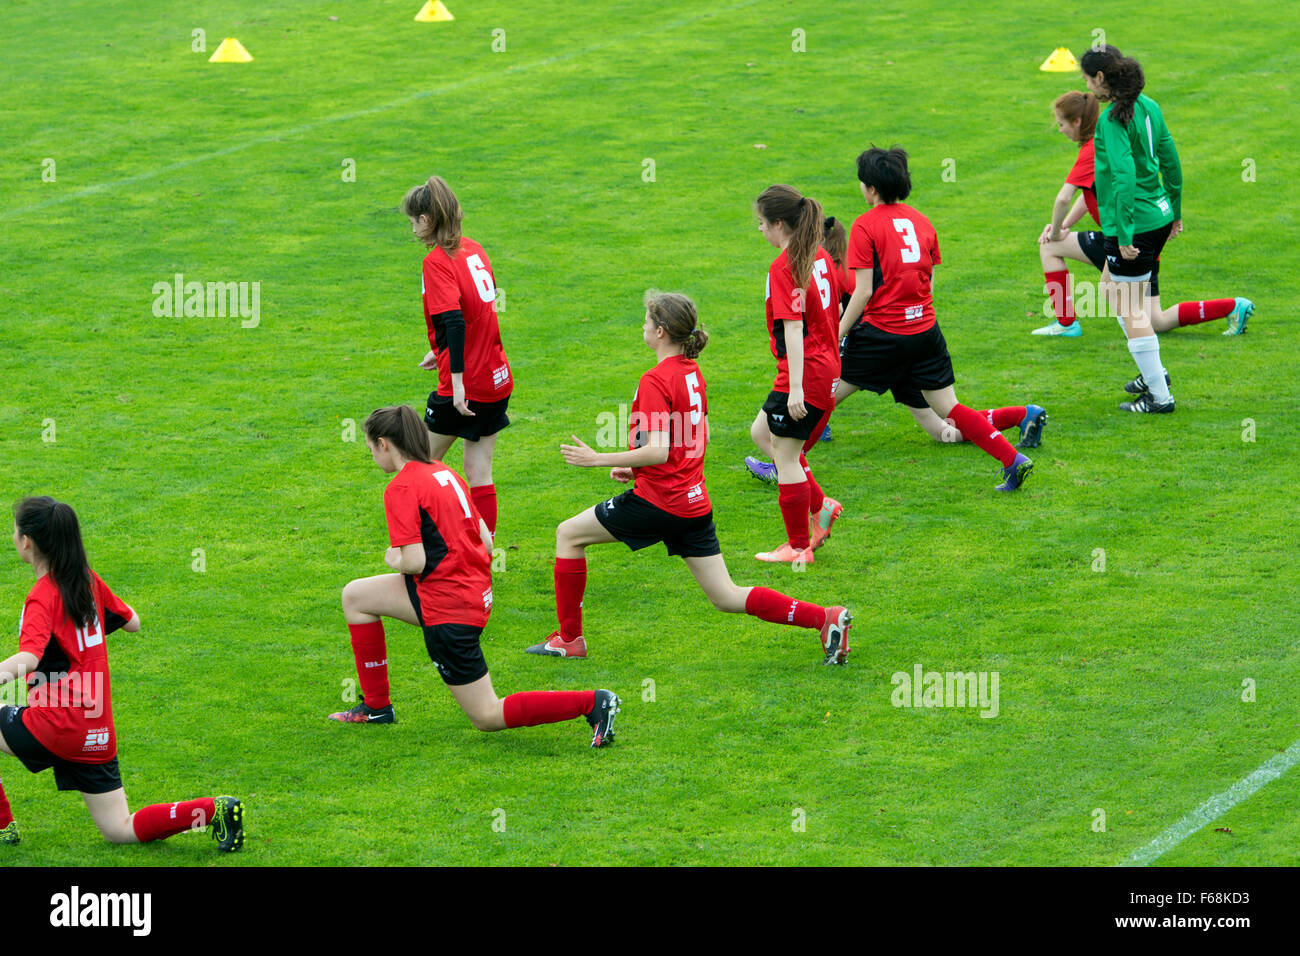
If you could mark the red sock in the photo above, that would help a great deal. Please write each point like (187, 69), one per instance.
(485, 500)
(815, 496)
(534, 707)
(1194, 313)
(794, 511)
(1004, 418)
(976, 428)
(570, 585)
(1058, 290)
(371, 653)
(161, 820)
(6, 814)
(774, 607)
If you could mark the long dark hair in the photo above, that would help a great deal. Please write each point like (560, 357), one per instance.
(803, 216)
(1124, 79)
(403, 429)
(53, 528)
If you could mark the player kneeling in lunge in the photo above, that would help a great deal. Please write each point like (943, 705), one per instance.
(668, 433)
(67, 724)
(442, 550)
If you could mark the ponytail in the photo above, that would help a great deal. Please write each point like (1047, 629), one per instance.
(402, 427)
(835, 240)
(803, 216)
(1123, 76)
(436, 200)
(53, 528)
(1079, 106)
(676, 315)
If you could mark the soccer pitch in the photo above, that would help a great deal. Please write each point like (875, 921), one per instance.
(1136, 602)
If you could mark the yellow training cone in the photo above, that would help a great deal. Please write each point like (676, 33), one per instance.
(434, 11)
(1061, 61)
(230, 51)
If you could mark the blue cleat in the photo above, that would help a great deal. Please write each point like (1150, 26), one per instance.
(1071, 331)
(1014, 475)
(826, 434)
(1237, 318)
(1031, 426)
(764, 471)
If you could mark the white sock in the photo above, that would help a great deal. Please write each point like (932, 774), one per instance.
(1146, 353)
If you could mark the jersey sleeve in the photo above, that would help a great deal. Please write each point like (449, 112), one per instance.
(36, 626)
(862, 249)
(1123, 172)
(441, 291)
(1083, 171)
(786, 304)
(1171, 171)
(403, 514)
(116, 611)
(654, 402)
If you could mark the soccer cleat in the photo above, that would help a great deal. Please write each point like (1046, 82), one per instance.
(835, 635)
(1237, 318)
(363, 713)
(764, 471)
(1071, 331)
(786, 554)
(1031, 426)
(228, 824)
(826, 434)
(557, 646)
(1146, 403)
(601, 717)
(1139, 385)
(821, 529)
(9, 835)
(1014, 475)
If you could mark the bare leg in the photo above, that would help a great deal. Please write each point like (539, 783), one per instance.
(480, 703)
(935, 427)
(111, 815)
(712, 576)
(439, 445)
(477, 460)
(759, 432)
(574, 535)
(366, 600)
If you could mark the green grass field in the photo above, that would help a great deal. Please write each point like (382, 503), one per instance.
(1120, 690)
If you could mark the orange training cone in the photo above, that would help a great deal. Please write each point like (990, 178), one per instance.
(434, 11)
(1061, 61)
(230, 51)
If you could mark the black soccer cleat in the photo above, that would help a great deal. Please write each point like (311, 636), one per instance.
(1147, 404)
(1139, 385)
(601, 717)
(365, 714)
(228, 824)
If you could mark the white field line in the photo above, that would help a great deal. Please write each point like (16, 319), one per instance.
(355, 114)
(1216, 806)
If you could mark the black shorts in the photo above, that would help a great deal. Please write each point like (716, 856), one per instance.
(453, 648)
(904, 364)
(639, 524)
(86, 777)
(1148, 245)
(780, 423)
(1093, 245)
(441, 417)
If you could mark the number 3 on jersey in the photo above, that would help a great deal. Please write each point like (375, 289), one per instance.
(487, 290)
(446, 478)
(911, 251)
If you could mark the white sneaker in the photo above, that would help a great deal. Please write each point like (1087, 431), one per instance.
(1071, 331)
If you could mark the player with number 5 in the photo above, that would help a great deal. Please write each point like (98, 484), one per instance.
(459, 297)
(892, 336)
(668, 431)
(441, 549)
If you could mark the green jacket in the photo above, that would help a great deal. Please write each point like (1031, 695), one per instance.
(1139, 181)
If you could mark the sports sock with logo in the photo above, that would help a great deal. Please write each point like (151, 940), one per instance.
(570, 585)
(976, 428)
(793, 500)
(485, 500)
(161, 820)
(776, 608)
(532, 707)
(371, 653)
(1194, 313)
(1004, 418)
(1146, 353)
(1058, 290)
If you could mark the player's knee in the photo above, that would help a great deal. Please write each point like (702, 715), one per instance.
(119, 831)
(483, 721)
(350, 596)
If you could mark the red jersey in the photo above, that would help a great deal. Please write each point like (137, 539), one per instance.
(671, 398)
(1082, 175)
(68, 696)
(429, 504)
(465, 283)
(848, 280)
(900, 247)
(817, 308)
